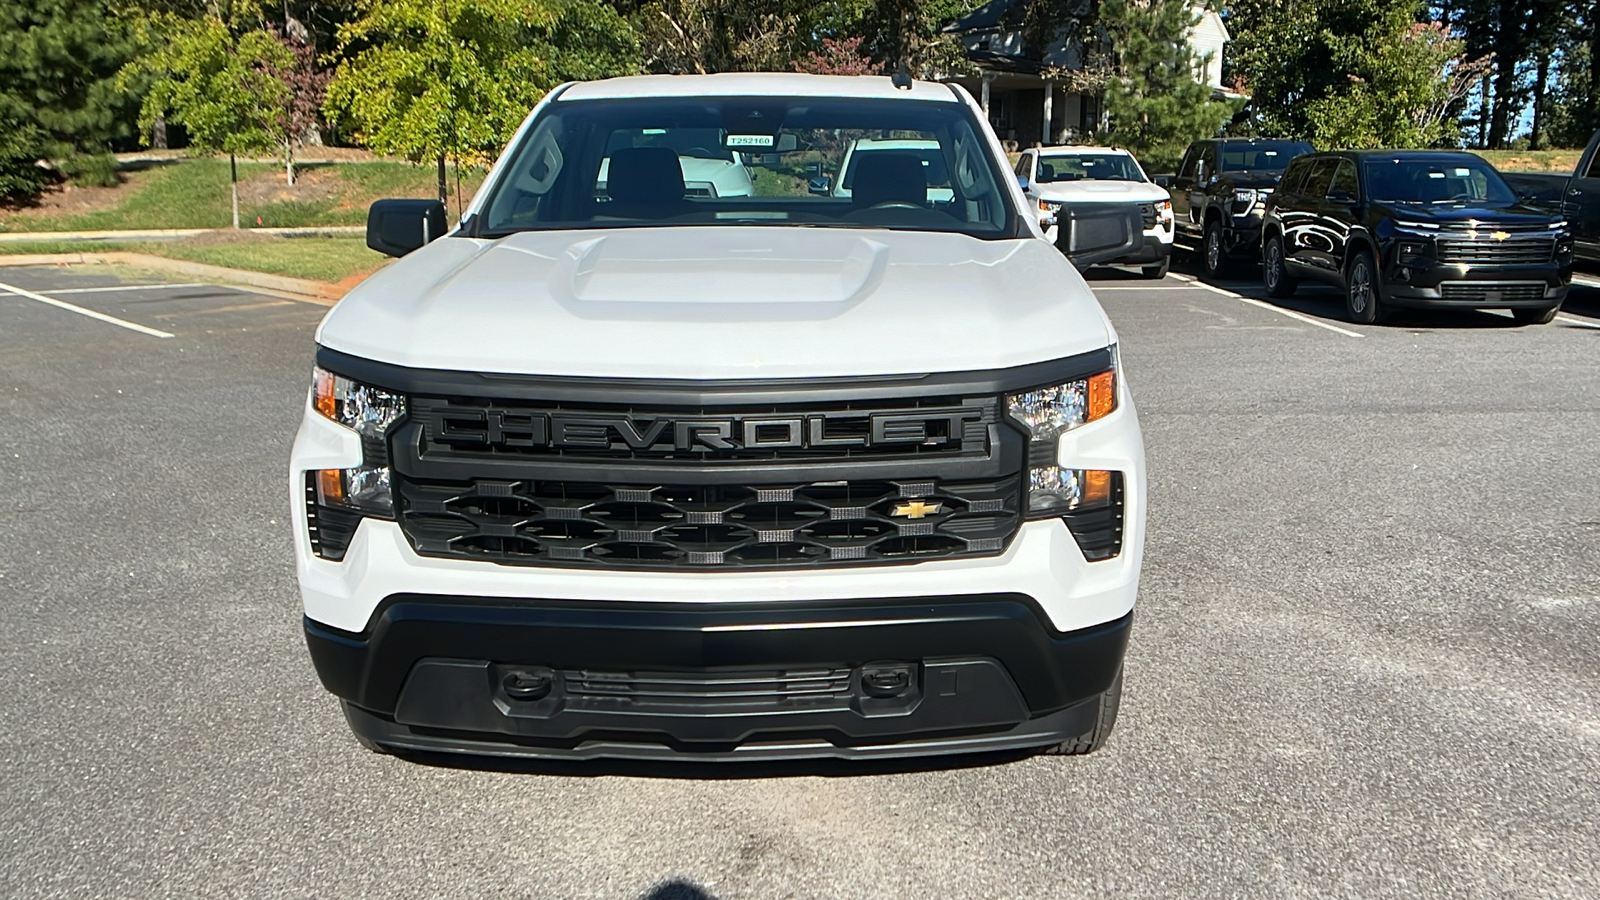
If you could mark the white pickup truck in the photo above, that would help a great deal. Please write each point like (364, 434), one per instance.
(654, 474)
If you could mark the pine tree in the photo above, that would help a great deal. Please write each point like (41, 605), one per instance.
(1154, 103)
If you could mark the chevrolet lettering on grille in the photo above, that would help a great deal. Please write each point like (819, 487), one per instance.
(511, 428)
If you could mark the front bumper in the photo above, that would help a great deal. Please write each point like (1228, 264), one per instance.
(1445, 285)
(718, 681)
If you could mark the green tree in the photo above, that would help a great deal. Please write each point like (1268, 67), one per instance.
(221, 83)
(1154, 103)
(59, 98)
(1351, 73)
(427, 79)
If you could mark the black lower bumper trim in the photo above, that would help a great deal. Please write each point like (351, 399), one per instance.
(687, 678)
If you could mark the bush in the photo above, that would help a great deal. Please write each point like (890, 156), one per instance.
(91, 170)
(21, 176)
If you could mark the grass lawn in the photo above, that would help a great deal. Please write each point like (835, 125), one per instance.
(193, 193)
(329, 259)
(1562, 161)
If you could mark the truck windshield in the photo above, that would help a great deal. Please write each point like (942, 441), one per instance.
(1463, 179)
(1272, 156)
(1087, 167)
(805, 161)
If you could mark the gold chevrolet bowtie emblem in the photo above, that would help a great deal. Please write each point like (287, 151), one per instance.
(917, 509)
(1500, 235)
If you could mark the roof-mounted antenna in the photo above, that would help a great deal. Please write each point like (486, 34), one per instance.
(902, 77)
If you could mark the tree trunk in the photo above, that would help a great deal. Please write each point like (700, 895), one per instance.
(1540, 79)
(288, 163)
(233, 173)
(1505, 84)
(1484, 109)
(158, 133)
(444, 192)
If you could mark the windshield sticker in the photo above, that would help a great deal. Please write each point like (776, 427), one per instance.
(1462, 173)
(750, 140)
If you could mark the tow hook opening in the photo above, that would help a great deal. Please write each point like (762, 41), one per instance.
(886, 680)
(532, 683)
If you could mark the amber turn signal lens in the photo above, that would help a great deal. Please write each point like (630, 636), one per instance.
(330, 487)
(322, 394)
(1096, 487)
(1102, 395)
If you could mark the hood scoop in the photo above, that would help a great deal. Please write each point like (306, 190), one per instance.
(649, 267)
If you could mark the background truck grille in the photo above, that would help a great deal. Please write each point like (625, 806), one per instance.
(1147, 212)
(1486, 250)
(595, 525)
(1492, 292)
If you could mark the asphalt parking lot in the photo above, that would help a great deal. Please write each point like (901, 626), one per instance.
(1366, 660)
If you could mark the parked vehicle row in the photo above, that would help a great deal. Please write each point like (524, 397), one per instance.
(1220, 193)
(1414, 229)
(1073, 176)
(1575, 196)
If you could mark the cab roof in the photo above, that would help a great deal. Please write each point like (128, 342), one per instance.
(755, 84)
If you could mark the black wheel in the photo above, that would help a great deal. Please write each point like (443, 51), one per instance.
(361, 738)
(1535, 316)
(1361, 298)
(1274, 274)
(1159, 270)
(1110, 701)
(1213, 255)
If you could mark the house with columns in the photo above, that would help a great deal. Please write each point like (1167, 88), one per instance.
(1040, 95)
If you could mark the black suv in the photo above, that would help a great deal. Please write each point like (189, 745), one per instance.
(1219, 193)
(1414, 228)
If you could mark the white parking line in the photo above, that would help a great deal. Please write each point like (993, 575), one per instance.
(62, 304)
(1585, 280)
(127, 287)
(1579, 322)
(1279, 310)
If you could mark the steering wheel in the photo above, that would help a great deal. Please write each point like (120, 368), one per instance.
(1461, 196)
(895, 204)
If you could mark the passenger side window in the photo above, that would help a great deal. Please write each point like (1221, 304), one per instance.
(1025, 166)
(1320, 177)
(1594, 167)
(1208, 159)
(1290, 184)
(1186, 170)
(1343, 187)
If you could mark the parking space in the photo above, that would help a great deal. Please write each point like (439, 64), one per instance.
(1366, 660)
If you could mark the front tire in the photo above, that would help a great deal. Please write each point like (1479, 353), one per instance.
(1274, 274)
(1535, 316)
(1157, 271)
(1105, 720)
(1213, 253)
(1361, 298)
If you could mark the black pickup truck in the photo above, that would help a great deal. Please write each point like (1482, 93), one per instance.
(1577, 196)
(1219, 193)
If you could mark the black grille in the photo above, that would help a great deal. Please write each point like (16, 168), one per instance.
(1486, 250)
(1492, 292)
(454, 428)
(590, 524)
(771, 689)
(1147, 212)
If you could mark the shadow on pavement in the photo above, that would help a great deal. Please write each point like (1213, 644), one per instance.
(713, 771)
(677, 889)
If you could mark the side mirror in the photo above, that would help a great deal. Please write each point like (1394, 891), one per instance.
(1200, 170)
(1164, 180)
(397, 227)
(1022, 181)
(1341, 196)
(819, 185)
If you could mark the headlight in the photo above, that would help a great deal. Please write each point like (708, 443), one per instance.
(1048, 413)
(369, 412)
(1410, 252)
(1245, 198)
(1049, 205)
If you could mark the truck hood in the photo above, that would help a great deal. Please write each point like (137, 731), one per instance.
(721, 302)
(1088, 191)
(1450, 215)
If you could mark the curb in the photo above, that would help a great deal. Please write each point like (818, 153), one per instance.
(162, 234)
(301, 288)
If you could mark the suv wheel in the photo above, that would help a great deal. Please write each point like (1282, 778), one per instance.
(1535, 316)
(1361, 290)
(1106, 719)
(1274, 275)
(1213, 257)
